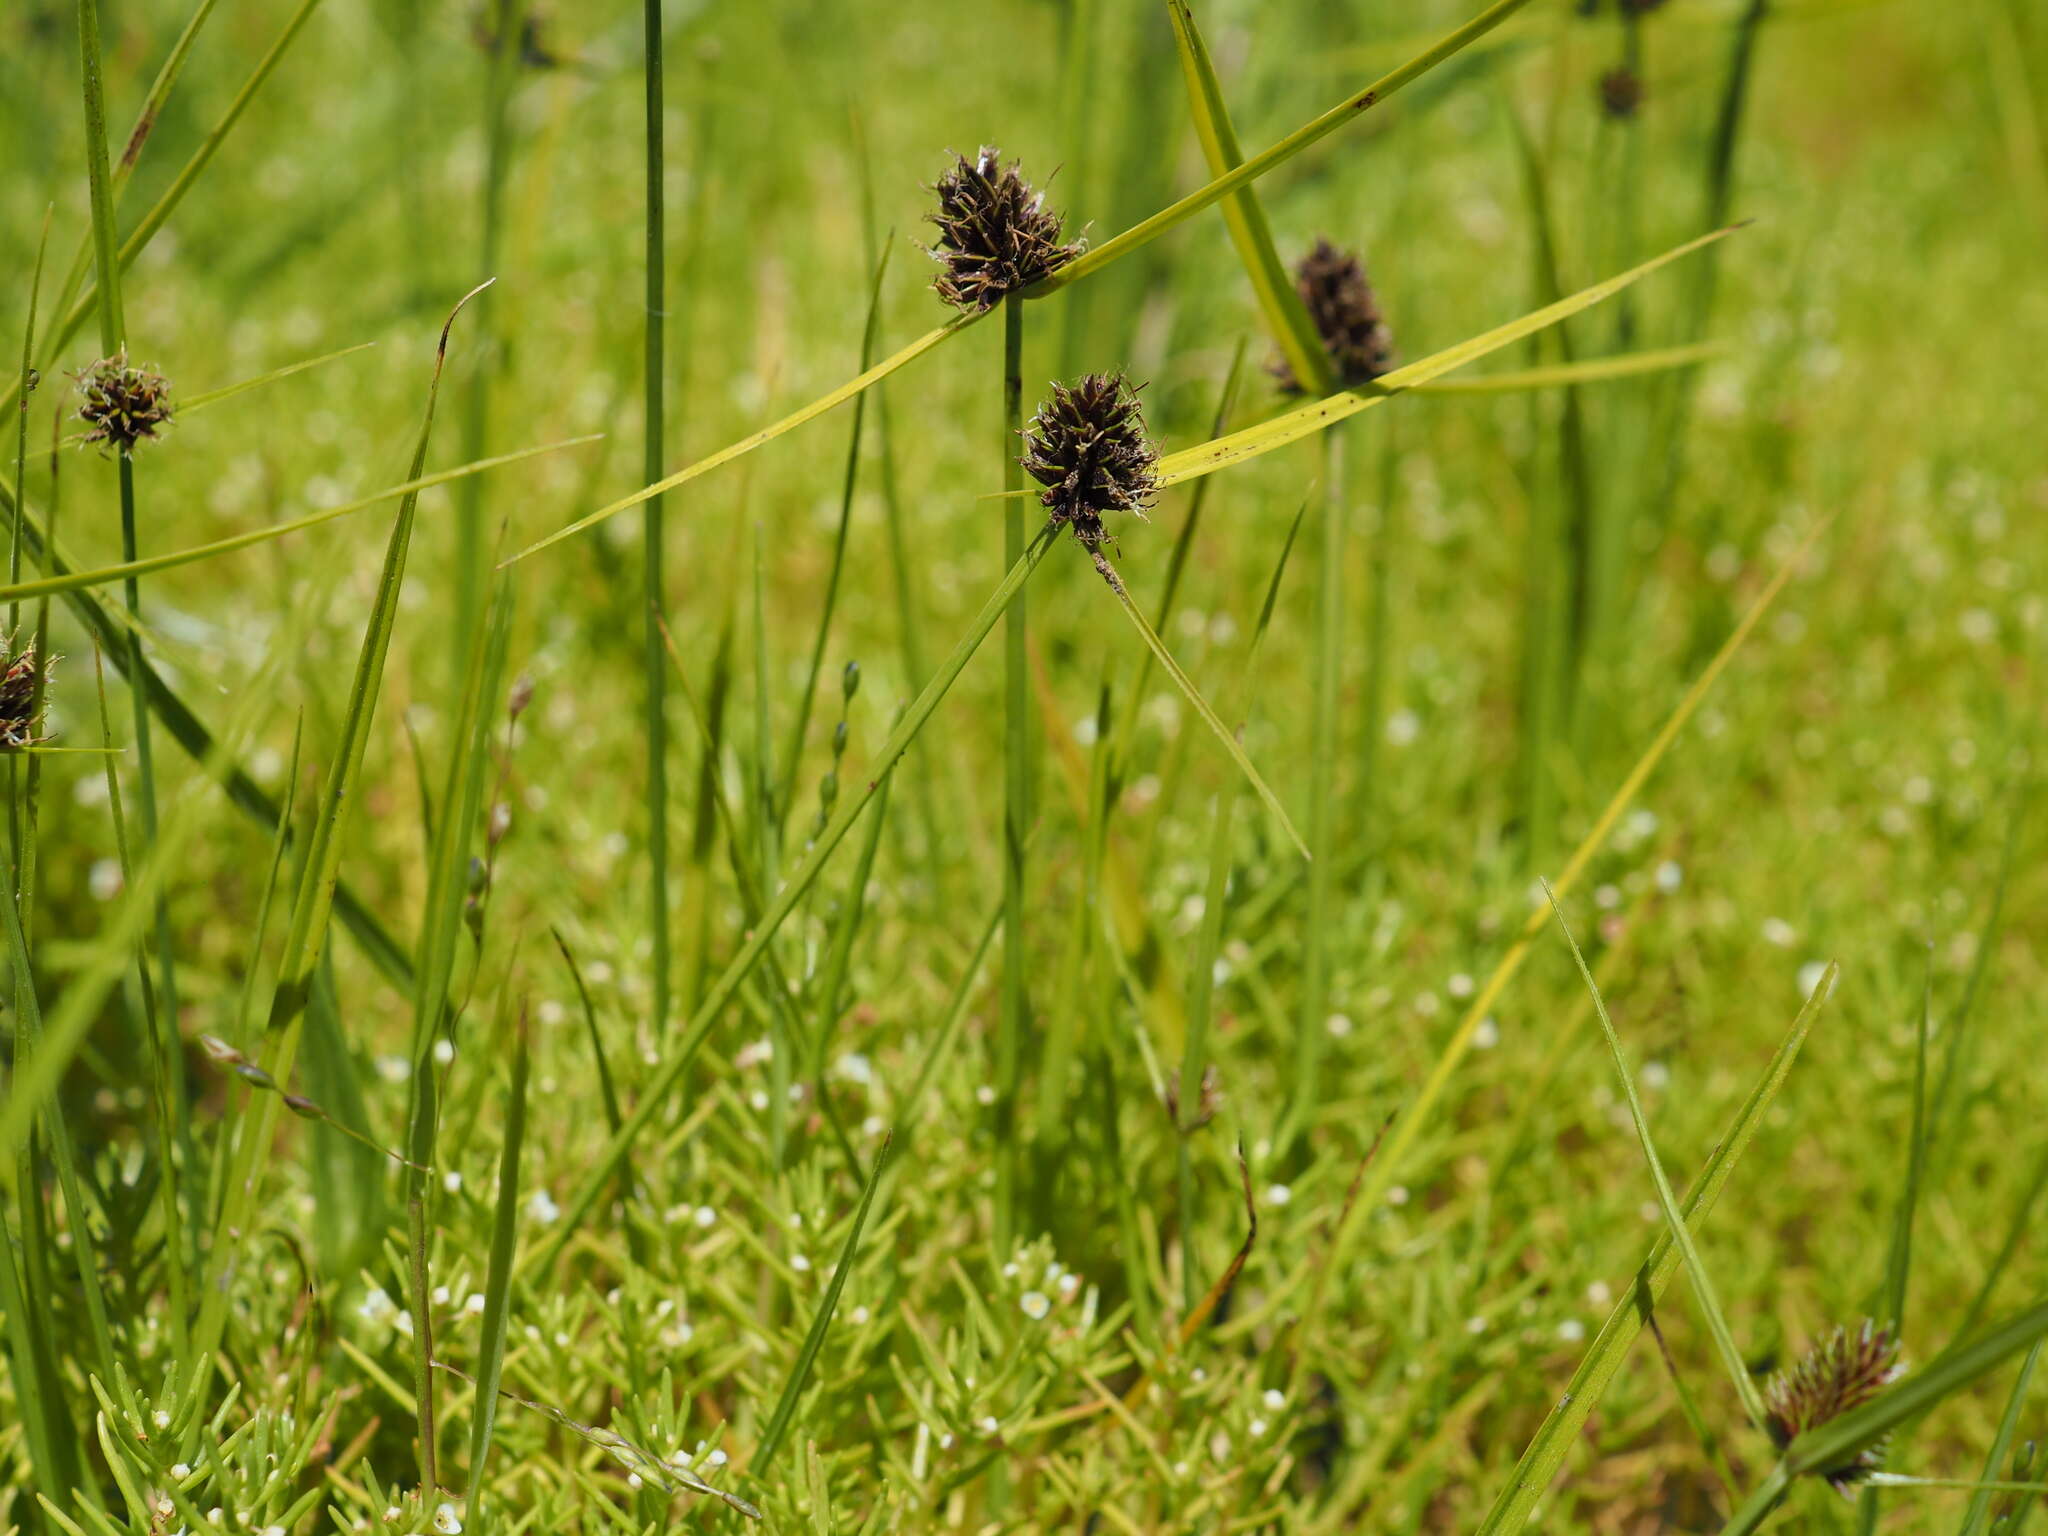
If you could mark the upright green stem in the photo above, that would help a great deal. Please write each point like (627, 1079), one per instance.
(1016, 788)
(1315, 979)
(505, 17)
(113, 339)
(655, 668)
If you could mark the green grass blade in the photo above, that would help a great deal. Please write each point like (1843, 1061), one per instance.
(78, 581)
(807, 1357)
(1562, 1426)
(490, 1353)
(2001, 1446)
(1286, 316)
(1702, 1282)
(768, 434)
(1210, 718)
(1599, 370)
(1304, 421)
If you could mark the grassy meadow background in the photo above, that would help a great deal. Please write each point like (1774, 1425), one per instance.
(1008, 1352)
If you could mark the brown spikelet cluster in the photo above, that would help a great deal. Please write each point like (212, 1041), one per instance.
(1332, 284)
(1841, 1372)
(995, 233)
(1621, 93)
(1087, 447)
(22, 703)
(122, 403)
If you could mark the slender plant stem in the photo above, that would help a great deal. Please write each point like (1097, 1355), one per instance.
(1329, 656)
(1016, 788)
(653, 664)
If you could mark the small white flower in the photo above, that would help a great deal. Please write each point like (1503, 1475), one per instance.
(759, 1101)
(1779, 932)
(705, 1216)
(1397, 1194)
(543, 1209)
(985, 1095)
(1403, 726)
(162, 1420)
(716, 1459)
(1338, 1024)
(1275, 1400)
(1810, 975)
(1460, 985)
(376, 1307)
(440, 1295)
(452, 1182)
(393, 1069)
(1256, 1428)
(859, 1316)
(1278, 1194)
(1035, 1305)
(1656, 1076)
(1599, 1295)
(1669, 876)
(445, 1520)
(444, 1051)
(473, 1304)
(181, 1471)
(403, 1322)
(1571, 1330)
(989, 1425)
(268, 1530)
(800, 1264)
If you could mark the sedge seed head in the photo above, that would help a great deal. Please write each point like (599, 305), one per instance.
(1333, 287)
(996, 235)
(1841, 1372)
(1087, 446)
(23, 697)
(122, 403)
(1621, 93)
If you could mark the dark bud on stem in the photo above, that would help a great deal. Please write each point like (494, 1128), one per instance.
(849, 682)
(1621, 93)
(1843, 1371)
(995, 233)
(122, 403)
(22, 705)
(1333, 288)
(1087, 447)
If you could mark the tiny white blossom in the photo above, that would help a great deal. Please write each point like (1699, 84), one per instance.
(705, 1216)
(1669, 876)
(542, 1208)
(800, 1264)
(1275, 1399)
(181, 1471)
(452, 1182)
(473, 1304)
(1486, 1034)
(1779, 932)
(1278, 1194)
(1571, 1330)
(444, 1051)
(1035, 1305)
(445, 1520)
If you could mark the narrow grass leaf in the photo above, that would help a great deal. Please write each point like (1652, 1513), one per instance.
(814, 1340)
(1304, 421)
(490, 1355)
(1702, 1282)
(1210, 718)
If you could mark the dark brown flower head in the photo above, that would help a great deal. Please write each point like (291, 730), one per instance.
(122, 403)
(1332, 285)
(1087, 447)
(22, 704)
(1841, 1372)
(1621, 93)
(995, 233)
